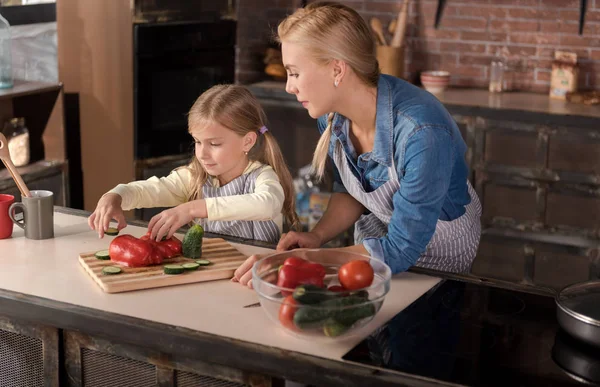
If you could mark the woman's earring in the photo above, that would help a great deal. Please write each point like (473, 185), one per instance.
(246, 153)
(336, 83)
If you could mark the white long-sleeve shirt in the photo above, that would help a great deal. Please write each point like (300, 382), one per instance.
(265, 203)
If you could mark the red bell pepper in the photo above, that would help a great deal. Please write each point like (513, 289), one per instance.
(168, 248)
(297, 271)
(130, 251)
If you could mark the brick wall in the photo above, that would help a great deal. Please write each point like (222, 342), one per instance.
(470, 34)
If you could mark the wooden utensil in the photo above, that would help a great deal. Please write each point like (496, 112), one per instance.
(398, 39)
(377, 26)
(5, 157)
(392, 26)
(223, 256)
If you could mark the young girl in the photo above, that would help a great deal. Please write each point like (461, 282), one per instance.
(237, 184)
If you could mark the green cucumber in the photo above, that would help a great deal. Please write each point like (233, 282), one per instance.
(203, 262)
(103, 255)
(173, 269)
(312, 294)
(362, 294)
(309, 317)
(190, 266)
(333, 328)
(192, 242)
(111, 270)
(349, 316)
(316, 315)
(111, 231)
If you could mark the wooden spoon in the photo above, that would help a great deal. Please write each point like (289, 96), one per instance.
(398, 39)
(377, 26)
(5, 157)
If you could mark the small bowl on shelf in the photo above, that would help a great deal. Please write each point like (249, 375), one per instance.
(435, 82)
(326, 311)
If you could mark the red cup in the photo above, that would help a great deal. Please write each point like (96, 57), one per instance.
(6, 224)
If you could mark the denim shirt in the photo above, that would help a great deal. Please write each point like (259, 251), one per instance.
(415, 133)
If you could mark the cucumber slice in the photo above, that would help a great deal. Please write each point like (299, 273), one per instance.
(103, 255)
(173, 269)
(203, 262)
(111, 231)
(110, 270)
(190, 266)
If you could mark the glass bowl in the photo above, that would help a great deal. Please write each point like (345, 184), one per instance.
(317, 312)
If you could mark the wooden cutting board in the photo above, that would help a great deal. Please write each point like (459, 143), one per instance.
(224, 257)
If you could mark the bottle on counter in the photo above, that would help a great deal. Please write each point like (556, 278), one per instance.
(18, 141)
(6, 77)
(496, 76)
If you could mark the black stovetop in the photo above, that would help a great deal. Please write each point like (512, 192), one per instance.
(481, 336)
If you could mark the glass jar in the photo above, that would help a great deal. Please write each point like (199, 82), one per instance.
(6, 77)
(18, 141)
(496, 77)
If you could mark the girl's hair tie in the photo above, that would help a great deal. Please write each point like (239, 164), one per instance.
(263, 129)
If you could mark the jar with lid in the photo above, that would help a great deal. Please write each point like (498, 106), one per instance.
(18, 141)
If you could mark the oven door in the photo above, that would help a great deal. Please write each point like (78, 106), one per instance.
(166, 88)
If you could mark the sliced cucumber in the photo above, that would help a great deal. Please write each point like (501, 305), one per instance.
(111, 231)
(103, 255)
(111, 270)
(173, 269)
(190, 266)
(203, 262)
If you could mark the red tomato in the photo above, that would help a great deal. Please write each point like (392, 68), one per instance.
(286, 313)
(336, 288)
(356, 274)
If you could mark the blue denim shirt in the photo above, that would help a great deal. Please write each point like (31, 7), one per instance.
(415, 131)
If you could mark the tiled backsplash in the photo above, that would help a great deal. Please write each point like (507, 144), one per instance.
(470, 34)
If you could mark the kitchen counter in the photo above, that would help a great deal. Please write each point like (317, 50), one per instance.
(522, 106)
(43, 282)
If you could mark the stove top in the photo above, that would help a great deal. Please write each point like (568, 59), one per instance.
(481, 336)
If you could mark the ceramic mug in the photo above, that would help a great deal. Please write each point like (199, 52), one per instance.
(6, 224)
(38, 214)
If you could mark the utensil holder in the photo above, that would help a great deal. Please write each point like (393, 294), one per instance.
(391, 60)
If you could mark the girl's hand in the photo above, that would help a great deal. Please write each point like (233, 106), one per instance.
(294, 240)
(169, 221)
(107, 209)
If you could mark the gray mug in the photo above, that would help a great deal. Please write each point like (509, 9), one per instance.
(38, 214)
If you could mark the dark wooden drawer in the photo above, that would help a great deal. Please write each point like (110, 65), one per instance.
(28, 354)
(511, 148)
(509, 203)
(96, 362)
(573, 153)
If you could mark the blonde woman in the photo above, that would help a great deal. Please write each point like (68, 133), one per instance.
(238, 183)
(400, 172)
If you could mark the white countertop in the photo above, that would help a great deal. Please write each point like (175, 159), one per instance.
(50, 269)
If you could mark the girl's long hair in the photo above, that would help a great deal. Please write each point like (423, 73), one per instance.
(235, 108)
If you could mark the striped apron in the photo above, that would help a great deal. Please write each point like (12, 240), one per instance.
(453, 245)
(266, 231)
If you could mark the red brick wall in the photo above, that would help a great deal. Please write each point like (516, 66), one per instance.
(469, 36)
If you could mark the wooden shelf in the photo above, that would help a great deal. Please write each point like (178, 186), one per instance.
(22, 88)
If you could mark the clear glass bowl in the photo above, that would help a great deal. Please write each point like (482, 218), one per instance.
(337, 314)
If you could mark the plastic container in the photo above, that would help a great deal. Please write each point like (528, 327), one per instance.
(338, 319)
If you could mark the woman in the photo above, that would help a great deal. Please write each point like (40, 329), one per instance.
(400, 173)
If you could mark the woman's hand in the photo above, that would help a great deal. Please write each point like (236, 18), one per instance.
(169, 221)
(107, 209)
(243, 274)
(288, 241)
(293, 240)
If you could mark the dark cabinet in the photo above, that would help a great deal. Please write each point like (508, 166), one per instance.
(41, 175)
(29, 354)
(96, 362)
